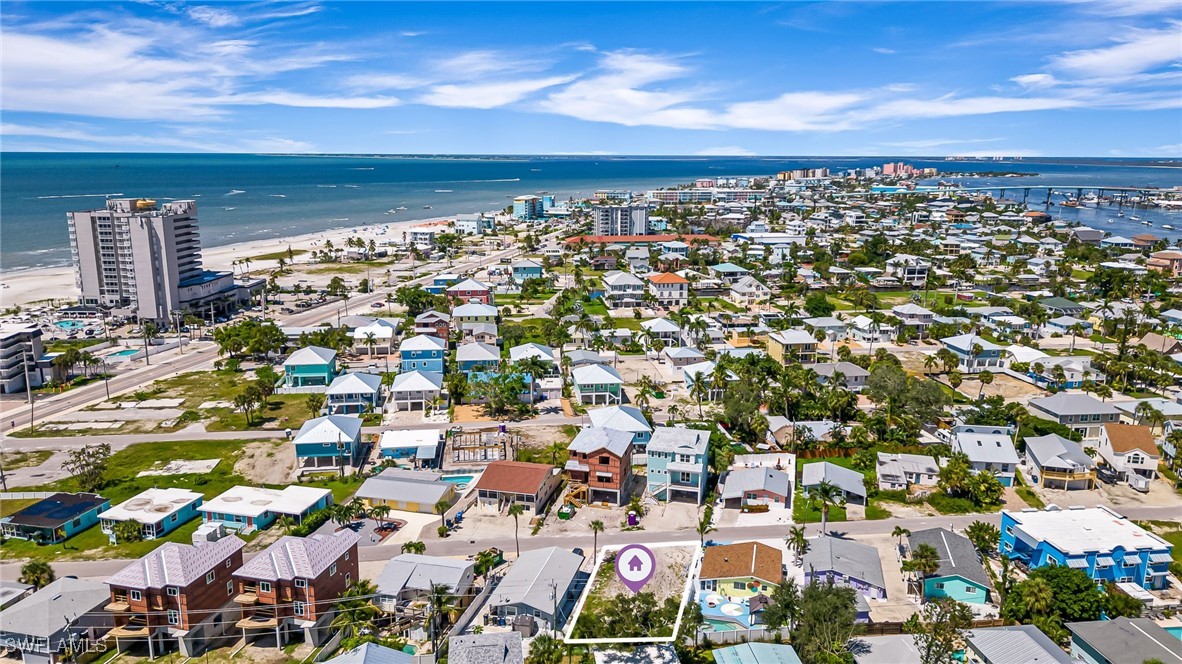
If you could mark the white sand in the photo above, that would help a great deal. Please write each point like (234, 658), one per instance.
(25, 286)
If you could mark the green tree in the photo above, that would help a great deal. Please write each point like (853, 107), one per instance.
(784, 610)
(824, 495)
(414, 546)
(148, 332)
(939, 630)
(37, 573)
(128, 531)
(596, 528)
(1117, 603)
(826, 624)
(797, 542)
(440, 602)
(313, 403)
(355, 612)
(984, 536)
(515, 511)
(88, 465)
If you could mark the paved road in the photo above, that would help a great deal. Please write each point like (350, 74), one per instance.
(457, 545)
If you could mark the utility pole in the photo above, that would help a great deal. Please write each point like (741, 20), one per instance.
(554, 599)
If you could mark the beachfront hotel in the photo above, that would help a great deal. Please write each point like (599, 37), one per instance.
(621, 219)
(143, 260)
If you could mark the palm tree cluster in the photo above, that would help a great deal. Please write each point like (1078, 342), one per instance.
(73, 357)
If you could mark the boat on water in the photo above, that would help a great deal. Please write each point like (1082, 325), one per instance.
(1120, 214)
(1167, 227)
(1111, 220)
(426, 207)
(1133, 217)
(443, 191)
(228, 208)
(400, 207)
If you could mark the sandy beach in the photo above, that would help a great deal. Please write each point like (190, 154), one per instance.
(26, 286)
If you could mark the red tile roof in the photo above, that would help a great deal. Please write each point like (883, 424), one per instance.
(514, 477)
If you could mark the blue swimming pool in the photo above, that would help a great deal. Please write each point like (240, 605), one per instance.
(1175, 632)
(70, 324)
(125, 352)
(458, 479)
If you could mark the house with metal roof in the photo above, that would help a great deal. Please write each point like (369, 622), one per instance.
(534, 350)
(1123, 640)
(974, 352)
(477, 357)
(744, 487)
(422, 352)
(416, 390)
(354, 393)
(788, 345)
(901, 471)
(423, 448)
(542, 583)
(372, 653)
(960, 575)
(853, 377)
(623, 418)
(763, 653)
(56, 518)
(845, 562)
(311, 366)
(407, 490)
(1059, 463)
(408, 578)
(989, 449)
(677, 463)
(43, 624)
(597, 383)
(329, 441)
(850, 482)
(1081, 413)
(892, 649)
(1013, 644)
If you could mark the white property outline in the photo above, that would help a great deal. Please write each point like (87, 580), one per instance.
(690, 577)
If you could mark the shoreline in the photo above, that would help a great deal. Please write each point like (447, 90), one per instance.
(22, 286)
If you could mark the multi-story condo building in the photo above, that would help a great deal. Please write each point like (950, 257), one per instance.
(20, 348)
(178, 591)
(144, 260)
(620, 219)
(527, 207)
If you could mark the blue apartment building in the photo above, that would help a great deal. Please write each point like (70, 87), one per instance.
(422, 353)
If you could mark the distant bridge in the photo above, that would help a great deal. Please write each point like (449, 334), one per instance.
(1024, 188)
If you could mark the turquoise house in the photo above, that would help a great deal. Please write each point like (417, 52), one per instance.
(526, 269)
(329, 441)
(423, 352)
(960, 576)
(677, 463)
(310, 367)
(56, 518)
(476, 357)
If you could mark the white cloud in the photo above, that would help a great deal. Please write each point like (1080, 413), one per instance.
(885, 51)
(201, 141)
(726, 151)
(939, 142)
(1139, 51)
(385, 82)
(1035, 80)
(299, 100)
(214, 17)
(794, 111)
(488, 95)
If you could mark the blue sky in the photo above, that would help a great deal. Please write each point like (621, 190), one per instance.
(853, 78)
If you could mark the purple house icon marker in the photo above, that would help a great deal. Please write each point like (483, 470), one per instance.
(635, 564)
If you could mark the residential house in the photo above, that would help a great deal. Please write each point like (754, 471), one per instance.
(850, 482)
(742, 488)
(1129, 449)
(328, 441)
(1160, 343)
(748, 292)
(788, 345)
(477, 357)
(177, 591)
(42, 626)
(1064, 324)
(597, 383)
(312, 366)
(473, 224)
(158, 511)
(56, 518)
(1012, 644)
(846, 563)
(292, 584)
(505, 483)
(622, 289)
(914, 316)
(354, 393)
(741, 570)
(959, 575)
(601, 459)
(440, 282)
(407, 490)
(853, 377)
(1061, 306)
(422, 448)
(1115, 549)
(762, 653)
(377, 336)
(422, 353)
(664, 329)
(729, 273)
(542, 583)
(974, 353)
(246, 509)
(433, 323)
(892, 649)
(989, 449)
(683, 356)
(473, 312)
(1121, 640)
(526, 269)
(1168, 261)
(903, 471)
(1081, 413)
(628, 419)
(714, 386)
(409, 578)
(485, 648)
(483, 333)
(677, 463)
(834, 328)
(416, 390)
(908, 270)
(671, 290)
(372, 653)
(1058, 463)
(469, 291)
(869, 331)
(637, 258)
(534, 350)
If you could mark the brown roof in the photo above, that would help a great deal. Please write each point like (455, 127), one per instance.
(514, 477)
(668, 278)
(737, 561)
(1128, 437)
(1158, 342)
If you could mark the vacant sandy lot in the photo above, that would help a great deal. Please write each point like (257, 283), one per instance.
(267, 462)
(1008, 387)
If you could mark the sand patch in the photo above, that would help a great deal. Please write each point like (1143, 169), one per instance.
(267, 462)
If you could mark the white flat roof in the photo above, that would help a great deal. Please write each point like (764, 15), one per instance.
(253, 501)
(1079, 531)
(410, 438)
(151, 506)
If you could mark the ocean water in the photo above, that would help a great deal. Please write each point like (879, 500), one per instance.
(250, 197)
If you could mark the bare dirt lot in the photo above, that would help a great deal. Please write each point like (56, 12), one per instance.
(1008, 387)
(470, 414)
(267, 462)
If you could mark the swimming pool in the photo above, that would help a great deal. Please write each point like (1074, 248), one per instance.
(1175, 632)
(125, 352)
(458, 479)
(70, 324)
(722, 626)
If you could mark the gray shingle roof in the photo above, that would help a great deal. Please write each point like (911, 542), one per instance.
(372, 653)
(1128, 639)
(491, 648)
(420, 572)
(852, 559)
(1074, 404)
(742, 480)
(845, 479)
(176, 564)
(1017, 644)
(50, 610)
(593, 439)
(1056, 452)
(528, 581)
(958, 557)
(298, 557)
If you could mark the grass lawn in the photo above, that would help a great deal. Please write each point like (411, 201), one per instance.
(595, 308)
(276, 255)
(1170, 531)
(62, 345)
(841, 304)
(1026, 493)
(13, 506)
(805, 512)
(14, 460)
(197, 387)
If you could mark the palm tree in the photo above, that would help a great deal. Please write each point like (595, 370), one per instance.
(797, 542)
(900, 532)
(379, 513)
(924, 561)
(441, 508)
(1038, 595)
(149, 331)
(37, 573)
(439, 602)
(698, 391)
(596, 528)
(984, 378)
(929, 362)
(354, 610)
(824, 494)
(535, 368)
(371, 340)
(414, 546)
(286, 523)
(704, 526)
(515, 511)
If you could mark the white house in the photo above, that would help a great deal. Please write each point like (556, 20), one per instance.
(1129, 449)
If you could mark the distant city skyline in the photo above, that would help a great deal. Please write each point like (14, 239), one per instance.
(1101, 79)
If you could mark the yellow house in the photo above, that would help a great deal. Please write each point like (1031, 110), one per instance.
(407, 490)
(792, 344)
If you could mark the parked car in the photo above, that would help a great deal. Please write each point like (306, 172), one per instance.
(1107, 475)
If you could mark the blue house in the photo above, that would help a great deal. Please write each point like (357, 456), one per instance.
(677, 463)
(477, 357)
(158, 511)
(250, 508)
(56, 518)
(423, 353)
(623, 418)
(1115, 549)
(526, 269)
(441, 282)
(960, 574)
(328, 442)
(988, 357)
(310, 367)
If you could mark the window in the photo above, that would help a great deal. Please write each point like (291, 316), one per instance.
(173, 591)
(228, 563)
(229, 587)
(970, 590)
(76, 523)
(301, 583)
(135, 595)
(172, 518)
(1010, 530)
(739, 585)
(939, 586)
(174, 617)
(347, 579)
(604, 460)
(209, 577)
(264, 586)
(346, 555)
(332, 569)
(299, 608)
